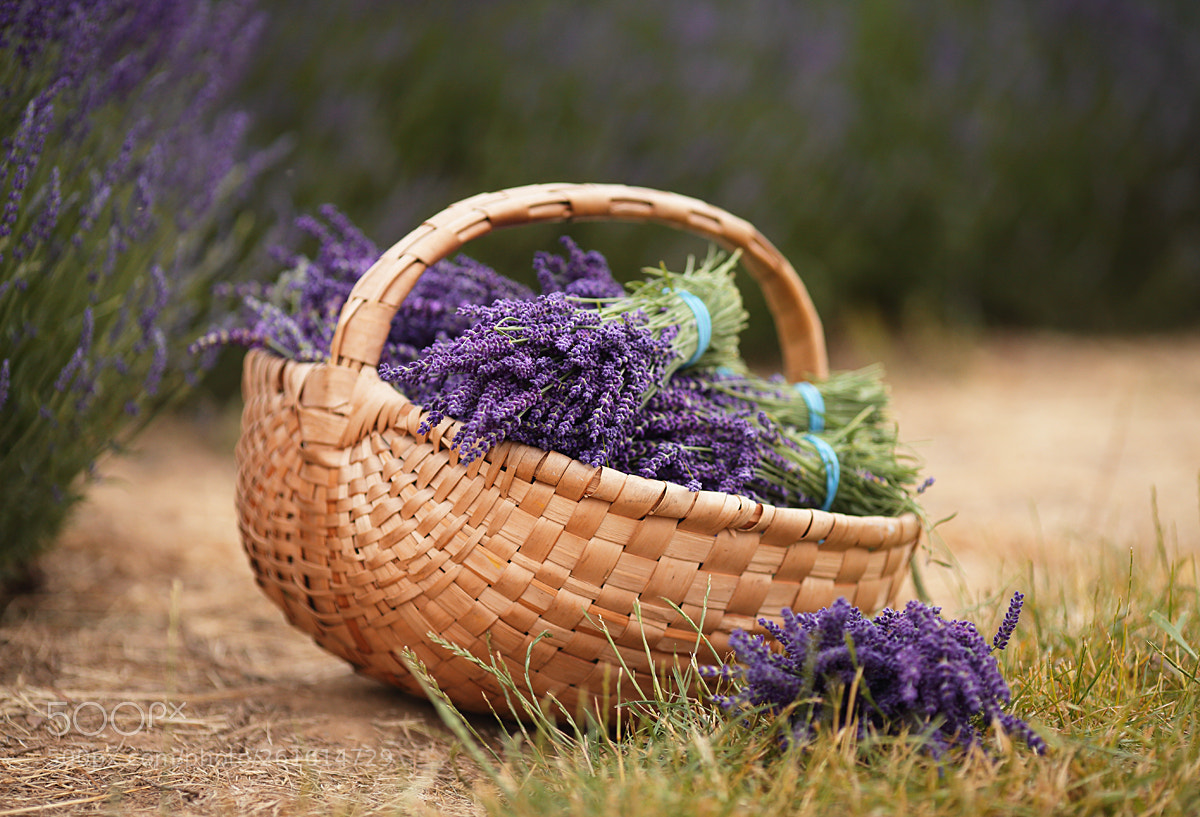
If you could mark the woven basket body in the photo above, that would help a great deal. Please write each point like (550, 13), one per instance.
(370, 536)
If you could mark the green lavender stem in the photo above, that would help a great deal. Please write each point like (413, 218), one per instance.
(657, 296)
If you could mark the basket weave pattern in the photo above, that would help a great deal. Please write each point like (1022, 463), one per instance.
(369, 536)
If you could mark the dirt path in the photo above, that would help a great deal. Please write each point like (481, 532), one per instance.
(1043, 446)
(150, 619)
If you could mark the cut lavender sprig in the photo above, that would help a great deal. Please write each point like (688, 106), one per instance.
(580, 274)
(1009, 625)
(903, 670)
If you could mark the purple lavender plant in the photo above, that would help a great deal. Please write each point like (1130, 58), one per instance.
(903, 670)
(121, 171)
(5, 374)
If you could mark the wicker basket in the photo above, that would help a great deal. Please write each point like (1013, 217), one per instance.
(370, 536)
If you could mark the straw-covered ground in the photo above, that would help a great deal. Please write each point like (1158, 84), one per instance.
(149, 674)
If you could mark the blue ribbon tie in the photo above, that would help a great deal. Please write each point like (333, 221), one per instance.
(816, 405)
(833, 469)
(703, 323)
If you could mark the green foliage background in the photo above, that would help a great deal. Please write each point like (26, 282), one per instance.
(1025, 163)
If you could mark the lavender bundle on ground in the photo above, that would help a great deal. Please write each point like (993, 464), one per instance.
(903, 670)
(572, 374)
(122, 173)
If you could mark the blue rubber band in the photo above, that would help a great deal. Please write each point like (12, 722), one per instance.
(703, 323)
(816, 405)
(833, 469)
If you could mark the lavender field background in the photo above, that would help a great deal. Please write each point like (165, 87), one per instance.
(1016, 163)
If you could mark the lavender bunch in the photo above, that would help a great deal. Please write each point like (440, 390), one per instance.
(121, 175)
(695, 436)
(572, 374)
(903, 670)
(702, 304)
(296, 315)
(803, 424)
(545, 372)
(871, 475)
(826, 404)
(698, 432)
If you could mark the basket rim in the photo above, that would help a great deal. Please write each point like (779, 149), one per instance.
(362, 325)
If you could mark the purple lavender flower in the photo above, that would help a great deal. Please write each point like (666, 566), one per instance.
(48, 217)
(1009, 625)
(581, 274)
(158, 364)
(919, 672)
(543, 372)
(694, 436)
(296, 316)
(157, 297)
(433, 311)
(78, 362)
(5, 376)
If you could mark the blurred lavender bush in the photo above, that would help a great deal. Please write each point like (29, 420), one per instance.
(119, 174)
(1017, 162)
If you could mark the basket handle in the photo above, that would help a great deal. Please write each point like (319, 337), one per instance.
(366, 318)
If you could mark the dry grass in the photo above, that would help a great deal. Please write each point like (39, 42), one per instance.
(1047, 447)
